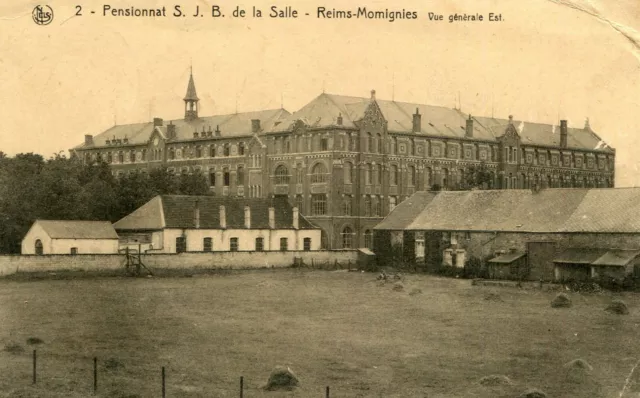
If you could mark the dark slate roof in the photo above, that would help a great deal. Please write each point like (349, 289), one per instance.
(405, 213)
(233, 125)
(601, 210)
(323, 111)
(579, 256)
(617, 258)
(177, 211)
(78, 229)
(191, 91)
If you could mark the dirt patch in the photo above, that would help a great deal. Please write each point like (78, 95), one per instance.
(561, 301)
(13, 348)
(617, 307)
(495, 380)
(282, 378)
(491, 296)
(533, 393)
(415, 291)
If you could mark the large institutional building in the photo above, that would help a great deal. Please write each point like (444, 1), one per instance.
(345, 162)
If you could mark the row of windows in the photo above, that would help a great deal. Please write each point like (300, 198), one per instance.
(348, 237)
(212, 150)
(522, 181)
(234, 244)
(318, 174)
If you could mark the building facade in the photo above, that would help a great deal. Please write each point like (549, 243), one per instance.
(70, 237)
(345, 162)
(180, 223)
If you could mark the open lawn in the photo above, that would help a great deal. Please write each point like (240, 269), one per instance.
(331, 328)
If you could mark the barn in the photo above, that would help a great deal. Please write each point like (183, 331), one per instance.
(70, 237)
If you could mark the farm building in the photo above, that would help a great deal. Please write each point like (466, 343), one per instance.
(70, 237)
(180, 223)
(518, 234)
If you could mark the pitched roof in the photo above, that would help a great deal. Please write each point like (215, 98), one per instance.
(405, 213)
(191, 90)
(323, 111)
(617, 258)
(579, 256)
(78, 229)
(507, 258)
(601, 210)
(233, 125)
(178, 211)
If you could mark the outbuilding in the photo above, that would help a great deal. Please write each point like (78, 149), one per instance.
(70, 237)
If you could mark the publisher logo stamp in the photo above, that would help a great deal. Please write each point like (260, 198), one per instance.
(42, 15)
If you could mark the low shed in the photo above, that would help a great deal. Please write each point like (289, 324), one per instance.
(70, 237)
(511, 265)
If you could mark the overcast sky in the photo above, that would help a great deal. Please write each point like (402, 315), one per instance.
(546, 61)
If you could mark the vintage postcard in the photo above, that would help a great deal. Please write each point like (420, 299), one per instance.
(269, 198)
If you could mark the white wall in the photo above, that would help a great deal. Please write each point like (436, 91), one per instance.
(246, 239)
(84, 246)
(29, 241)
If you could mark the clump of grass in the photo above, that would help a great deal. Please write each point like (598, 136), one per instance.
(398, 287)
(282, 378)
(34, 341)
(491, 296)
(495, 380)
(561, 301)
(13, 348)
(618, 307)
(415, 291)
(533, 393)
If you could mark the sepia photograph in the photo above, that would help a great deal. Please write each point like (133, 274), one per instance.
(320, 199)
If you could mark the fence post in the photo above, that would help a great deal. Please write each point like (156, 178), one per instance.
(327, 393)
(163, 380)
(34, 366)
(241, 386)
(95, 374)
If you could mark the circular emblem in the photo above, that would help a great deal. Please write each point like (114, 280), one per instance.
(42, 15)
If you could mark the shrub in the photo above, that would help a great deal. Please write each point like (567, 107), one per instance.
(561, 301)
(617, 307)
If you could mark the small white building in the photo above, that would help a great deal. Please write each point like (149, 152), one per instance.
(181, 223)
(70, 237)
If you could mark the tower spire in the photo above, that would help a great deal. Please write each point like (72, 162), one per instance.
(191, 99)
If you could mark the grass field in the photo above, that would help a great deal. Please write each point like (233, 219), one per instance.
(331, 328)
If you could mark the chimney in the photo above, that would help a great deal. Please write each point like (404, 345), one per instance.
(339, 119)
(469, 128)
(417, 121)
(171, 130)
(511, 119)
(247, 217)
(296, 218)
(587, 126)
(88, 139)
(373, 95)
(223, 218)
(272, 218)
(157, 122)
(563, 133)
(255, 125)
(196, 214)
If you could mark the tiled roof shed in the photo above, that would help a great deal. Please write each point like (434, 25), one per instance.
(64, 229)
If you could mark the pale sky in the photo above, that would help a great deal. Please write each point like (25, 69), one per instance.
(546, 61)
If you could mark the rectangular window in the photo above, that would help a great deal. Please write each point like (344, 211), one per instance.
(181, 244)
(74, 250)
(378, 207)
(284, 244)
(207, 244)
(318, 204)
(299, 203)
(233, 244)
(346, 205)
(306, 244)
(259, 244)
(324, 144)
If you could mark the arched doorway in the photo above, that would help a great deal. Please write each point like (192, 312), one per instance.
(38, 247)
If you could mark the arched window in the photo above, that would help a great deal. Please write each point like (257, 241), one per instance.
(212, 178)
(412, 150)
(412, 175)
(393, 202)
(393, 177)
(445, 178)
(347, 238)
(367, 206)
(347, 205)
(428, 178)
(212, 151)
(132, 156)
(120, 157)
(318, 173)
(394, 146)
(226, 176)
(240, 175)
(348, 173)
(370, 144)
(379, 173)
(367, 174)
(282, 175)
(287, 145)
(377, 208)
(144, 155)
(299, 173)
(226, 150)
(109, 157)
(38, 247)
(198, 151)
(378, 143)
(172, 154)
(368, 239)
(241, 149)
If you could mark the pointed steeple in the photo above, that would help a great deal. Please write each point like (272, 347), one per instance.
(191, 100)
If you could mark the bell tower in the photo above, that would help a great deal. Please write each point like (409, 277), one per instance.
(191, 100)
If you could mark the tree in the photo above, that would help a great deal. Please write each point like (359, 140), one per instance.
(476, 177)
